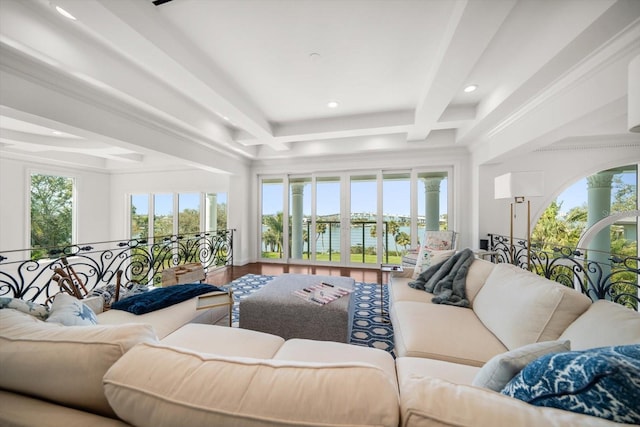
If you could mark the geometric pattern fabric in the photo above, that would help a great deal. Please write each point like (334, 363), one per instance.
(369, 328)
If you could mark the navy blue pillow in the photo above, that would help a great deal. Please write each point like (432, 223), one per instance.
(603, 382)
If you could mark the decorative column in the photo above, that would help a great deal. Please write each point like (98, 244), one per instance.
(212, 212)
(432, 203)
(599, 206)
(297, 242)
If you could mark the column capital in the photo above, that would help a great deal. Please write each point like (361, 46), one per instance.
(432, 183)
(600, 180)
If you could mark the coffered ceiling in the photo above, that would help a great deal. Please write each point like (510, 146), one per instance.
(137, 83)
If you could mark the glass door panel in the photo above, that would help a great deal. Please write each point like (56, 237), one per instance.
(188, 213)
(327, 232)
(396, 211)
(272, 218)
(363, 231)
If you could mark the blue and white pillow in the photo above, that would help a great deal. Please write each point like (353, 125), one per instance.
(602, 382)
(70, 311)
(37, 310)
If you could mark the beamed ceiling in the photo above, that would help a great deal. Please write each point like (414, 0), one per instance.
(143, 84)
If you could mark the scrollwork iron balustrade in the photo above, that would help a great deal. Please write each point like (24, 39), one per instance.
(616, 280)
(96, 264)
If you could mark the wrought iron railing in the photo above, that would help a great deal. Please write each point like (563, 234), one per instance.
(597, 274)
(96, 264)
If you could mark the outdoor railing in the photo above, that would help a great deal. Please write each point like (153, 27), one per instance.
(597, 274)
(96, 264)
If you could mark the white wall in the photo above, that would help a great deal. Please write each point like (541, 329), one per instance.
(92, 202)
(561, 167)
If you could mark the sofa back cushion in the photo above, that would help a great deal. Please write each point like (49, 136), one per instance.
(520, 307)
(605, 323)
(160, 386)
(476, 277)
(63, 364)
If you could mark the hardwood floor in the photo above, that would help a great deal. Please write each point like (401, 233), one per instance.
(225, 275)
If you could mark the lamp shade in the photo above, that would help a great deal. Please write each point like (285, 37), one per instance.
(519, 184)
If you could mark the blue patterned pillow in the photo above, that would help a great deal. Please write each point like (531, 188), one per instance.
(36, 310)
(602, 382)
(70, 311)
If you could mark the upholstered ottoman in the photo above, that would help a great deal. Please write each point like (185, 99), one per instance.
(276, 310)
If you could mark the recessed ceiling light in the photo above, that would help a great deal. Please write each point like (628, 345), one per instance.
(332, 104)
(64, 13)
(470, 88)
(56, 132)
(314, 56)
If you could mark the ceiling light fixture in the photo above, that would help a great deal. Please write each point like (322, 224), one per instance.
(470, 88)
(56, 132)
(332, 104)
(64, 13)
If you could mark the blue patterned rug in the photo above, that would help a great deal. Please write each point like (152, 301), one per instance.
(368, 330)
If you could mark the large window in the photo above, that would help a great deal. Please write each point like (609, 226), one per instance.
(196, 212)
(327, 216)
(51, 212)
(272, 218)
(396, 211)
(374, 217)
(363, 226)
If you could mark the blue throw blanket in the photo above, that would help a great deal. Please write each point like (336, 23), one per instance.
(163, 297)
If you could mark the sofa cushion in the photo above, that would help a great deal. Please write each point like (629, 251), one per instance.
(303, 350)
(476, 277)
(531, 308)
(70, 311)
(602, 382)
(18, 410)
(605, 323)
(498, 371)
(420, 367)
(224, 341)
(428, 401)
(63, 364)
(442, 332)
(145, 389)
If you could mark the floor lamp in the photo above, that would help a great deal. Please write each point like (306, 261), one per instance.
(518, 186)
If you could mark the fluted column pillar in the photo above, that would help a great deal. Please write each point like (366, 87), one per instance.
(432, 203)
(599, 206)
(297, 242)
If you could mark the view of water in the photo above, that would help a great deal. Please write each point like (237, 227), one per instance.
(323, 240)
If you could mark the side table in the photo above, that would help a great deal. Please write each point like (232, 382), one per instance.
(386, 268)
(216, 299)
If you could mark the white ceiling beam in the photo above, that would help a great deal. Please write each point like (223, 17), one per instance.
(169, 56)
(612, 33)
(338, 127)
(471, 27)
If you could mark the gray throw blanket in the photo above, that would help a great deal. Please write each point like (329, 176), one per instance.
(446, 280)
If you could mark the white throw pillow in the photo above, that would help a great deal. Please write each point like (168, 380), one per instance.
(500, 369)
(430, 257)
(70, 311)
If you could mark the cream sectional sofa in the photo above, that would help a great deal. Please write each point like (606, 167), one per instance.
(442, 348)
(124, 374)
(116, 375)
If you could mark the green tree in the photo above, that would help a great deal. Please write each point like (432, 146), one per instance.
(51, 211)
(222, 216)
(189, 221)
(272, 237)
